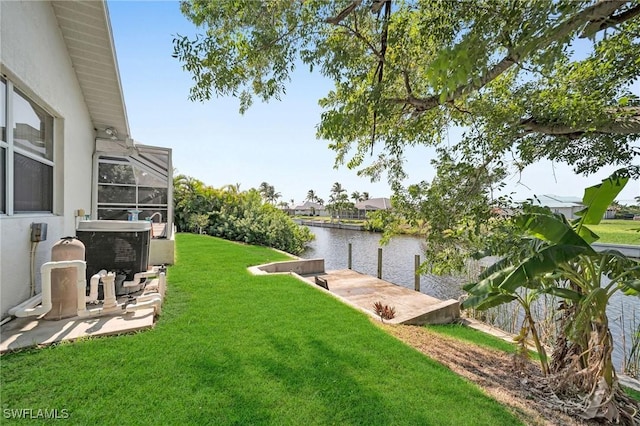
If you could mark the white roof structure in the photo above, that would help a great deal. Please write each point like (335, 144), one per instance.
(556, 201)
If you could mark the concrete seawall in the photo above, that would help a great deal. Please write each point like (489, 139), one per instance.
(321, 224)
(626, 249)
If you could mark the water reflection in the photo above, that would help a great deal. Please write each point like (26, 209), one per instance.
(397, 259)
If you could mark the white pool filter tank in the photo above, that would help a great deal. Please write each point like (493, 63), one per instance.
(64, 292)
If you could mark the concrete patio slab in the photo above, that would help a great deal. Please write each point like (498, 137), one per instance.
(411, 307)
(28, 332)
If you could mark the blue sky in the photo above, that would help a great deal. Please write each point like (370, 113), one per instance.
(272, 142)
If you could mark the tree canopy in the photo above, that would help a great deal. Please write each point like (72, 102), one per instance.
(541, 79)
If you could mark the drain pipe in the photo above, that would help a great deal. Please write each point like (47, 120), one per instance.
(150, 300)
(29, 303)
(109, 305)
(138, 277)
(153, 300)
(95, 281)
(45, 270)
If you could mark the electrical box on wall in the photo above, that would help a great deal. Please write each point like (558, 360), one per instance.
(38, 232)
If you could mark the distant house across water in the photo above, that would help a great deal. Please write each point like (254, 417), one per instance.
(310, 208)
(372, 204)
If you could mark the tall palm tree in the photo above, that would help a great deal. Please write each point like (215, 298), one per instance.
(365, 196)
(311, 196)
(232, 188)
(272, 195)
(264, 190)
(337, 189)
(356, 197)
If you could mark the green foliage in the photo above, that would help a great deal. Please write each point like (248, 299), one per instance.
(379, 221)
(556, 258)
(528, 80)
(236, 216)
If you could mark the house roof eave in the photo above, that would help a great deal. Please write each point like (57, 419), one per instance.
(86, 29)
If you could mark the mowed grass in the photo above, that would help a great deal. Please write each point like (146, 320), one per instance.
(479, 338)
(231, 348)
(471, 335)
(618, 231)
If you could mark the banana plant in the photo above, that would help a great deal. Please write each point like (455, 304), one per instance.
(556, 258)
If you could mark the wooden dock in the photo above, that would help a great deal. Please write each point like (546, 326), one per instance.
(363, 291)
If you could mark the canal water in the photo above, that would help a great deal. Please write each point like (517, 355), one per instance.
(398, 268)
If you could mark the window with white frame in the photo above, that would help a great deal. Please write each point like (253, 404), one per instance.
(26, 153)
(131, 183)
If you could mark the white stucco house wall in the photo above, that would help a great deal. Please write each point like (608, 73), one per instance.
(61, 102)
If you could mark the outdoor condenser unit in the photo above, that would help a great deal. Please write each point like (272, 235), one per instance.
(115, 245)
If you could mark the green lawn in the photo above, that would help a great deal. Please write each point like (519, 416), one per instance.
(231, 348)
(462, 332)
(618, 231)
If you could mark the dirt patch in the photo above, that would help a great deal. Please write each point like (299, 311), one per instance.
(521, 389)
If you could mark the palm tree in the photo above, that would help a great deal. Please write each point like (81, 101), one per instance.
(338, 200)
(365, 196)
(272, 195)
(269, 193)
(264, 190)
(356, 197)
(232, 188)
(311, 196)
(337, 188)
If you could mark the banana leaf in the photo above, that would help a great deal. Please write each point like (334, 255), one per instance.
(550, 228)
(597, 200)
(563, 293)
(547, 260)
(486, 301)
(489, 283)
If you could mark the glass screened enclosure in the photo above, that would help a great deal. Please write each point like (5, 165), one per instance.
(136, 185)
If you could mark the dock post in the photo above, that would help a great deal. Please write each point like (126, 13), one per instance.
(349, 258)
(417, 274)
(379, 263)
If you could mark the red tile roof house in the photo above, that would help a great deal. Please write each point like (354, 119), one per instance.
(63, 128)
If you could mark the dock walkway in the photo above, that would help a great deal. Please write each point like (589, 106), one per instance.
(411, 307)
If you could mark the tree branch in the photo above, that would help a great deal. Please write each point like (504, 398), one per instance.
(335, 20)
(609, 21)
(359, 35)
(597, 11)
(627, 124)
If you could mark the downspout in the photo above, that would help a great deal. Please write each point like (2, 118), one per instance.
(94, 182)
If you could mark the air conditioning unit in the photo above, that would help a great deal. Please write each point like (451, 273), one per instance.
(115, 245)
